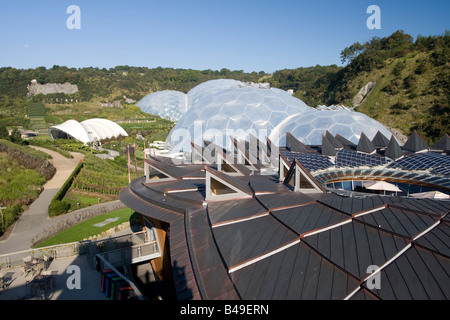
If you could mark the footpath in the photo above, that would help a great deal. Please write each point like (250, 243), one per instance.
(34, 220)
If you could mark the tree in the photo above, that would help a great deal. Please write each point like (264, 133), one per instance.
(350, 53)
(15, 136)
(398, 39)
(3, 132)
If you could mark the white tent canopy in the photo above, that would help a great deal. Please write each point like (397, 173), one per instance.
(431, 195)
(88, 130)
(381, 185)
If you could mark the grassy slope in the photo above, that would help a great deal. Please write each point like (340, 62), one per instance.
(18, 184)
(87, 228)
(416, 101)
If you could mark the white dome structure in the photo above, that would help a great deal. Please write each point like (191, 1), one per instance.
(308, 127)
(211, 87)
(87, 131)
(172, 105)
(167, 104)
(219, 109)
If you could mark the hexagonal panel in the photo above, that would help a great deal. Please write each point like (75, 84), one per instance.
(309, 126)
(229, 105)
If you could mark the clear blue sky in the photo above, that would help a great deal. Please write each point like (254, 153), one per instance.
(244, 35)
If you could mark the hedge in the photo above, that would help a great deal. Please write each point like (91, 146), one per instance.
(58, 205)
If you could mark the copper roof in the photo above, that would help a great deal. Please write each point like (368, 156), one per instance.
(281, 244)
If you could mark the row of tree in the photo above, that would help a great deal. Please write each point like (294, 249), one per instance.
(96, 82)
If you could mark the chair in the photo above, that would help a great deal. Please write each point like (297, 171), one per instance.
(27, 268)
(2, 281)
(46, 262)
(49, 284)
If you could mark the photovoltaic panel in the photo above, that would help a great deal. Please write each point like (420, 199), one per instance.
(423, 161)
(347, 158)
(311, 161)
(443, 170)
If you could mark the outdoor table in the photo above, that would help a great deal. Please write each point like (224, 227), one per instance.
(35, 265)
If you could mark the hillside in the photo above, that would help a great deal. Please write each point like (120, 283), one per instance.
(412, 82)
(411, 90)
(24, 172)
(406, 98)
(97, 86)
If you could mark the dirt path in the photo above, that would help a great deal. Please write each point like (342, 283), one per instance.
(34, 220)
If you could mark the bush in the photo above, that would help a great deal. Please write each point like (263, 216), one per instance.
(421, 67)
(399, 107)
(58, 207)
(397, 70)
(409, 82)
(9, 215)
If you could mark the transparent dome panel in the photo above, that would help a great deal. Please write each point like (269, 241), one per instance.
(227, 106)
(166, 104)
(309, 126)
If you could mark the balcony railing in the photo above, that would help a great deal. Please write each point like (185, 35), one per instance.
(131, 248)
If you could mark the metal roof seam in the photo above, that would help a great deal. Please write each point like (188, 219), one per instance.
(362, 213)
(316, 231)
(349, 274)
(409, 245)
(333, 208)
(393, 206)
(401, 252)
(263, 256)
(229, 222)
(427, 230)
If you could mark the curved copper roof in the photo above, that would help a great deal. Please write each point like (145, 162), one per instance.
(282, 244)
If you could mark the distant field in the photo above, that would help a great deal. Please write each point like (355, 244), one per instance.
(88, 227)
(35, 109)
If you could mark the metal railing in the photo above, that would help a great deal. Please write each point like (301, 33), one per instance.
(133, 254)
(134, 244)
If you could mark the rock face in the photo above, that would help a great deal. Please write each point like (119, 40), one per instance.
(50, 88)
(362, 94)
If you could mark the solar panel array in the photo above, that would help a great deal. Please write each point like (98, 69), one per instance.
(311, 161)
(391, 174)
(424, 161)
(347, 158)
(427, 168)
(442, 170)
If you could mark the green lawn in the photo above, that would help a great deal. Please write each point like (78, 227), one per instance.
(87, 228)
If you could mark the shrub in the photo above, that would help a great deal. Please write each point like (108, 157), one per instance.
(398, 107)
(409, 82)
(58, 207)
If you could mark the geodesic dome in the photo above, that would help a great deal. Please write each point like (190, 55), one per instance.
(220, 109)
(167, 104)
(87, 131)
(308, 127)
(209, 88)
